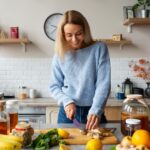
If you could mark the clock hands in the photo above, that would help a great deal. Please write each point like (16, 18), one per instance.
(53, 26)
(53, 31)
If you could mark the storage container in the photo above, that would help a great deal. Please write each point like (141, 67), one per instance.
(134, 107)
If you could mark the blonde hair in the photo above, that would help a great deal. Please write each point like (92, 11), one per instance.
(72, 17)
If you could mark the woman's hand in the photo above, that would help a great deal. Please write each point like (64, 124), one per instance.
(92, 122)
(70, 110)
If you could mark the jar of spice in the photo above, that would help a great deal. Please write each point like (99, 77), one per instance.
(23, 93)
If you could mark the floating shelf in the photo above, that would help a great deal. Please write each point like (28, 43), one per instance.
(112, 42)
(14, 41)
(22, 41)
(136, 21)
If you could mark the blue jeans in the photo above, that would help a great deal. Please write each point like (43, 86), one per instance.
(81, 115)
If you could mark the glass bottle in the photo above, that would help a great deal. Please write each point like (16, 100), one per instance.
(12, 109)
(4, 119)
(23, 93)
(134, 107)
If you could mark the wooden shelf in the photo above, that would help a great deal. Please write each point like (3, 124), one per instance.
(22, 41)
(14, 41)
(110, 41)
(137, 21)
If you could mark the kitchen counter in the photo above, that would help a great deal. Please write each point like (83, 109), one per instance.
(49, 108)
(51, 102)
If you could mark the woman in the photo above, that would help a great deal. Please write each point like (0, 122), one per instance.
(80, 79)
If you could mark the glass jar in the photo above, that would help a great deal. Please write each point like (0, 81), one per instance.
(12, 109)
(4, 119)
(134, 107)
(23, 93)
(131, 126)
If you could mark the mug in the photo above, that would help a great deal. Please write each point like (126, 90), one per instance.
(32, 93)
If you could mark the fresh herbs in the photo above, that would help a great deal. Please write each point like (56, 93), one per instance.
(46, 140)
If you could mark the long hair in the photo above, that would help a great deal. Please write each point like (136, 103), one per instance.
(71, 17)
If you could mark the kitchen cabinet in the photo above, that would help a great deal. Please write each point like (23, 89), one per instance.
(22, 41)
(51, 114)
(113, 114)
(136, 21)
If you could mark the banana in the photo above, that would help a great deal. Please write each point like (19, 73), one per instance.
(12, 137)
(16, 145)
(10, 142)
(6, 146)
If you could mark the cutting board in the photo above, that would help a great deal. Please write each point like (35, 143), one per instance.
(76, 138)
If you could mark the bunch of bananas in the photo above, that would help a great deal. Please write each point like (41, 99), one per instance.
(10, 142)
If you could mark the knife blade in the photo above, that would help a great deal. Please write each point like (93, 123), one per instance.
(77, 123)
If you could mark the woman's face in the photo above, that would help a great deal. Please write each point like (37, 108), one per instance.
(74, 35)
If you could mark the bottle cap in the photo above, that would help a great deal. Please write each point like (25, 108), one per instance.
(133, 121)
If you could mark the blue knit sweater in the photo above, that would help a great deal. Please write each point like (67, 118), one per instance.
(82, 77)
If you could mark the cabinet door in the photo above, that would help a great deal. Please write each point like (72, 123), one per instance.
(51, 115)
(113, 114)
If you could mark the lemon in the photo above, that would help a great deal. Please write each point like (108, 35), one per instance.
(63, 133)
(94, 144)
(64, 147)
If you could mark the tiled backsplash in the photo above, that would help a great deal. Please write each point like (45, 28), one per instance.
(35, 73)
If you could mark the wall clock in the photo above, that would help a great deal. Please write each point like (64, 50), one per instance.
(50, 25)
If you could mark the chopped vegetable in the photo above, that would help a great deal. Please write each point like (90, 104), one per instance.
(46, 140)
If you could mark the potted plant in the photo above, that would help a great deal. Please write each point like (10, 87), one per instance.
(143, 4)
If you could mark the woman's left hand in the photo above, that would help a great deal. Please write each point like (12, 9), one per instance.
(92, 122)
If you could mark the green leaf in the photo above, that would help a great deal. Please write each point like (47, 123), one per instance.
(113, 147)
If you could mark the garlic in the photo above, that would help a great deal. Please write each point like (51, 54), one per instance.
(126, 141)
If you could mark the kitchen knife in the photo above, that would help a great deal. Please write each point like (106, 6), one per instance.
(77, 124)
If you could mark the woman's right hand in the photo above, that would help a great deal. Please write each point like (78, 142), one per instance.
(70, 110)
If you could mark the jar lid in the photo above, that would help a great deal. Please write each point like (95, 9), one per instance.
(133, 121)
(22, 126)
(136, 96)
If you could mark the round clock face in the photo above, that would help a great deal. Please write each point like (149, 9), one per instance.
(50, 25)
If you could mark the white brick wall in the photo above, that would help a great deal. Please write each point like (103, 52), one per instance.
(35, 73)
(120, 71)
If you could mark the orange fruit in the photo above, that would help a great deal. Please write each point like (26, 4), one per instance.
(141, 137)
(63, 133)
(94, 144)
